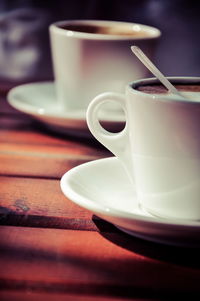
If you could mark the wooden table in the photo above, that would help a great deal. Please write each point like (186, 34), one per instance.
(51, 249)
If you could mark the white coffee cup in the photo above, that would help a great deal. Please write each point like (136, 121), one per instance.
(91, 56)
(159, 146)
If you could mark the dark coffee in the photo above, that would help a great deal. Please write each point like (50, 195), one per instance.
(106, 30)
(160, 89)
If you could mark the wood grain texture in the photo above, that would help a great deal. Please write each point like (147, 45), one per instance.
(31, 158)
(83, 262)
(59, 251)
(47, 162)
(40, 203)
(18, 130)
(29, 295)
(28, 151)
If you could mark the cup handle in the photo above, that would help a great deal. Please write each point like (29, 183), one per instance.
(117, 143)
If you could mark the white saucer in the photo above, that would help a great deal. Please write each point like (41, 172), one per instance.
(39, 101)
(102, 187)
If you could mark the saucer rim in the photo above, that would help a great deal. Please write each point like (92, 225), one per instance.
(79, 115)
(94, 207)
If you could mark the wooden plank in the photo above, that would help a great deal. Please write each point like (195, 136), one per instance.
(71, 148)
(29, 295)
(41, 166)
(44, 160)
(40, 203)
(24, 130)
(89, 263)
(23, 148)
(34, 135)
(17, 122)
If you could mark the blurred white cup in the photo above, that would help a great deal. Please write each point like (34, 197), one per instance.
(91, 56)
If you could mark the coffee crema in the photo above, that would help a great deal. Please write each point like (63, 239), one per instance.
(160, 89)
(189, 91)
(106, 30)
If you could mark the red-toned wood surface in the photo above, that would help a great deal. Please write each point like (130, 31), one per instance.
(52, 249)
(35, 296)
(82, 262)
(26, 149)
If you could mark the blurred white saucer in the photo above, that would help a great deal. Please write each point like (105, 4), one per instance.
(102, 186)
(39, 101)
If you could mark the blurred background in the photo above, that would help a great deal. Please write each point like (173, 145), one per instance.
(24, 38)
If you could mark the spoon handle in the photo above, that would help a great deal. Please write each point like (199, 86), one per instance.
(145, 60)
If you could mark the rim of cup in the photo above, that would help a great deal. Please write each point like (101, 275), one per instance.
(173, 79)
(152, 32)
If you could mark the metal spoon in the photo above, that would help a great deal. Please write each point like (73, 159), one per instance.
(146, 61)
